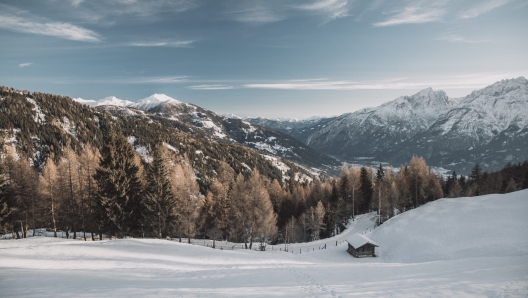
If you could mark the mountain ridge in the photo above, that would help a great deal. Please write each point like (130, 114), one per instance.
(429, 124)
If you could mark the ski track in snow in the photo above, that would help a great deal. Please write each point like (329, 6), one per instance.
(463, 247)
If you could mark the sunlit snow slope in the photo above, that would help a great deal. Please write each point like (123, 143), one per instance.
(463, 247)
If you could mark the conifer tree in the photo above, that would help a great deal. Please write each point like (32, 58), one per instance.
(365, 188)
(328, 223)
(119, 189)
(380, 173)
(5, 198)
(525, 185)
(475, 176)
(160, 202)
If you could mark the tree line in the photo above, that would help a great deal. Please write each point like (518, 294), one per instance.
(114, 192)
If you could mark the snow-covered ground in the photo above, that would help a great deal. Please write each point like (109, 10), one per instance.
(448, 248)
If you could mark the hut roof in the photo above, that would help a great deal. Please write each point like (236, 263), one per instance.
(358, 240)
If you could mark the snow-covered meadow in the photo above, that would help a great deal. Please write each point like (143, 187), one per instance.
(451, 247)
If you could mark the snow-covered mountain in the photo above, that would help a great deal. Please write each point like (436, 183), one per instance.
(153, 101)
(160, 107)
(369, 131)
(488, 126)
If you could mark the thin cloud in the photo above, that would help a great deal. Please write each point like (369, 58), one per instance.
(173, 44)
(110, 12)
(333, 9)
(211, 87)
(256, 15)
(467, 81)
(482, 8)
(460, 39)
(55, 29)
(25, 64)
(413, 15)
(159, 80)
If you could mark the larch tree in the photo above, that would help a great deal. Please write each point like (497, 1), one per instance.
(69, 168)
(188, 199)
(262, 222)
(354, 182)
(215, 211)
(88, 163)
(50, 191)
(318, 215)
(239, 208)
(418, 171)
(276, 195)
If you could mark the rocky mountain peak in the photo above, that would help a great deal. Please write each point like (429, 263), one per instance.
(153, 101)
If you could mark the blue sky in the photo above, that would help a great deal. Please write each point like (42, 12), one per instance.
(271, 58)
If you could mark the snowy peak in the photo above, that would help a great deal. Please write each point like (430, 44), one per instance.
(428, 98)
(113, 101)
(500, 88)
(153, 101)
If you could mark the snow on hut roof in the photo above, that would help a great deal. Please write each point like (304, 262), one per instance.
(358, 240)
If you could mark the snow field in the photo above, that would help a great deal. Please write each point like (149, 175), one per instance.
(463, 247)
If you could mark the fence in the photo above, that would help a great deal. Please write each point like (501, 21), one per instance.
(294, 248)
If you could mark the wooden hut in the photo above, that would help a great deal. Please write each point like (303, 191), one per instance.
(361, 246)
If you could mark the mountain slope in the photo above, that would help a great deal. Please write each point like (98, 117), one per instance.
(39, 125)
(264, 139)
(372, 130)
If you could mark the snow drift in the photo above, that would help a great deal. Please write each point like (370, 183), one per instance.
(447, 229)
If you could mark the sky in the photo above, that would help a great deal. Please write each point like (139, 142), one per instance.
(267, 58)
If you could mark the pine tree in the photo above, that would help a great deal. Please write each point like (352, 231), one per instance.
(365, 189)
(475, 176)
(119, 189)
(328, 223)
(5, 198)
(380, 173)
(525, 185)
(160, 202)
